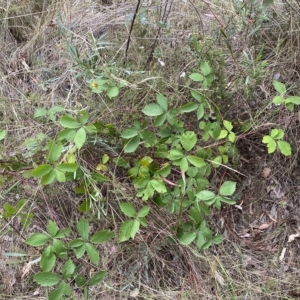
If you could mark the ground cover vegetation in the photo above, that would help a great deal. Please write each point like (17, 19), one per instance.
(149, 149)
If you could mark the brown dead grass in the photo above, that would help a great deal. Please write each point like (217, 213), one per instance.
(36, 71)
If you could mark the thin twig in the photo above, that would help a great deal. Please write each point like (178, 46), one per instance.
(131, 27)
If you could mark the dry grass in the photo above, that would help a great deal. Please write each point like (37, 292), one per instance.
(36, 70)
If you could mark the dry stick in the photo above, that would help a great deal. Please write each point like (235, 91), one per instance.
(292, 7)
(131, 27)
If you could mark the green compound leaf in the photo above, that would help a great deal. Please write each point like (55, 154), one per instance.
(112, 92)
(37, 239)
(132, 145)
(196, 161)
(80, 138)
(158, 185)
(152, 110)
(41, 170)
(162, 101)
(69, 122)
(67, 167)
(92, 253)
(205, 68)
(101, 237)
(52, 228)
(189, 107)
(83, 228)
(129, 133)
(285, 148)
(97, 278)
(48, 259)
(46, 278)
(127, 209)
(188, 140)
(279, 87)
(196, 77)
(227, 188)
(143, 212)
(187, 238)
(68, 269)
(128, 230)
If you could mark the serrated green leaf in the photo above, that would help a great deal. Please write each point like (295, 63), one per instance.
(189, 107)
(231, 137)
(135, 228)
(2, 134)
(92, 253)
(267, 139)
(97, 278)
(49, 178)
(184, 165)
(144, 211)
(278, 100)
(158, 185)
(227, 188)
(52, 228)
(132, 145)
(218, 239)
(68, 269)
(41, 170)
(37, 239)
(164, 171)
(196, 161)
(66, 134)
(57, 293)
(83, 228)
(129, 133)
(196, 95)
(90, 128)
(188, 140)
(125, 230)
(101, 237)
(48, 259)
(99, 177)
(162, 101)
(285, 148)
(159, 120)
(60, 176)
(200, 112)
(80, 138)
(67, 167)
(148, 137)
(175, 154)
(279, 87)
(205, 195)
(127, 209)
(227, 125)
(76, 243)
(80, 280)
(222, 134)
(59, 248)
(152, 110)
(79, 251)
(293, 99)
(46, 278)
(112, 92)
(227, 200)
(196, 77)
(205, 68)
(83, 117)
(40, 112)
(68, 122)
(271, 146)
(187, 238)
